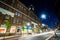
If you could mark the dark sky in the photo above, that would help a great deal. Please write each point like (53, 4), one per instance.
(44, 6)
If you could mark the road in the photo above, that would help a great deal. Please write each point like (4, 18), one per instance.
(57, 37)
(41, 36)
(37, 37)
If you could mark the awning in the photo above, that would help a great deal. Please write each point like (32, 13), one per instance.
(4, 11)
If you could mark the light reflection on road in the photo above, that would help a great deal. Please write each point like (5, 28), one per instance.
(41, 36)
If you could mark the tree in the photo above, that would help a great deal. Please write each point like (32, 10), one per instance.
(8, 24)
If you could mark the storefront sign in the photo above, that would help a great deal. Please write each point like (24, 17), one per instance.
(13, 29)
(2, 30)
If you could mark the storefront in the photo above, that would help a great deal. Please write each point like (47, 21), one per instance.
(3, 29)
(13, 29)
(18, 32)
(27, 28)
(36, 28)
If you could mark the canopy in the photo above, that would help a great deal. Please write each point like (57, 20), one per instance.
(6, 12)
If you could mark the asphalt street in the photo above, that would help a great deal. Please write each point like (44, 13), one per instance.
(57, 37)
(39, 37)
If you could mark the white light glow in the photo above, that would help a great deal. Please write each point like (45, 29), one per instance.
(50, 32)
(43, 24)
(28, 24)
(43, 16)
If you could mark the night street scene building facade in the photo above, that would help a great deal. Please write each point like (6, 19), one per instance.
(16, 18)
(29, 20)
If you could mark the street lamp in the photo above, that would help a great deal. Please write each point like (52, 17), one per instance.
(43, 16)
(28, 24)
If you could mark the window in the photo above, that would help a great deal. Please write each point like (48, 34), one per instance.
(32, 8)
(20, 20)
(19, 6)
(29, 8)
(18, 14)
(15, 20)
(6, 18)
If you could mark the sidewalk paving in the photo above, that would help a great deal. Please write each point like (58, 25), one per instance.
(9, 37)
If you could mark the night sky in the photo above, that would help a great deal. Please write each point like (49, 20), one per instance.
(44, 7)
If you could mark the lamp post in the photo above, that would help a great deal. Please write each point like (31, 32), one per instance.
(43, 16)
(28, 24)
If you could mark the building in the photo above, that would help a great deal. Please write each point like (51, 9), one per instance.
(22, 19)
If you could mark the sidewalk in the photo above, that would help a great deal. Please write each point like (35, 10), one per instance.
(9, 37)
(17, 36)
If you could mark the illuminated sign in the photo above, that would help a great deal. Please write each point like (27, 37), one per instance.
(2, 30)
(13, 29)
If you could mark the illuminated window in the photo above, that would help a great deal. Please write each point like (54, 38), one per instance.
(18, 14)
(20, 6)
(6, 17)
(32, 8)
(29, 8)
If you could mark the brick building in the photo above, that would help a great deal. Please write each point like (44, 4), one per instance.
(19, 13)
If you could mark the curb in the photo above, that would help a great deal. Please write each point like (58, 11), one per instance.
(9, 37)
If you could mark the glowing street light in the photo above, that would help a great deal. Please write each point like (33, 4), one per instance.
(43, 16)
(28, 24)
